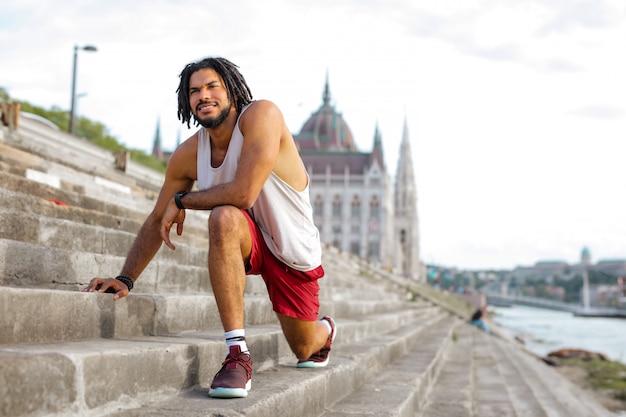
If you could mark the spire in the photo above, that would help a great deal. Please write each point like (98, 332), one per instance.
(377, 147)
(405, 147)
(378, 143)
(157, 149)
(405, 208)
(406, 194)
(326, 95)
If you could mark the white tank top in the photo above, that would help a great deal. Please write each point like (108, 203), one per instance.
(283, 214)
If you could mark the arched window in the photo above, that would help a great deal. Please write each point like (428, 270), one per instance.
(337, 207)
(318, 206)
(356, 208)
(374, 207)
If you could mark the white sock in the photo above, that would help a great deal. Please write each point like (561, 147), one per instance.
(236, 337)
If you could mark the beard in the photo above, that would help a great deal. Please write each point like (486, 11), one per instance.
(210, 123)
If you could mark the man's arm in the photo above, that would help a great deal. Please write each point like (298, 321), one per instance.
(179, 176)
(262, 126)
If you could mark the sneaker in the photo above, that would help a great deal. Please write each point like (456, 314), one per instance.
(320, 359)
(234, 379)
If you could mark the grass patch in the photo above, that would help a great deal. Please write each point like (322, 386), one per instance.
(602, 375)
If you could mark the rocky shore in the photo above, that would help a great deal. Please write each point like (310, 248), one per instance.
(594, 372)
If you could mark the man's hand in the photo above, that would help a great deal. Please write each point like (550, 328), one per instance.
(172, 215)
(107, 285)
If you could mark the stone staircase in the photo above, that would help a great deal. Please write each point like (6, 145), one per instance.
(402, 349)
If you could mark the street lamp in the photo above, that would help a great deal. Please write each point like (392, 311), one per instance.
(90, 48)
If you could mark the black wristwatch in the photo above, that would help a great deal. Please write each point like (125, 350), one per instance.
(177, 198)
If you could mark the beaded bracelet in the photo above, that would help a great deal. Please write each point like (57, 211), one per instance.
(126, 280)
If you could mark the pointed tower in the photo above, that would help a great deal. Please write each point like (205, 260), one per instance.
(377, 149)
(405, 210)
(157, 148)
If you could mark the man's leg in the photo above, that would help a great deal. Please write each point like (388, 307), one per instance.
(229, 247)
(304, 337)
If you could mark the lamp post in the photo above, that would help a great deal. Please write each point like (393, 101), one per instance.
(90, 48)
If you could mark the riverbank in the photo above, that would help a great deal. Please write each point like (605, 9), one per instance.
(544, 331)
(605, 380)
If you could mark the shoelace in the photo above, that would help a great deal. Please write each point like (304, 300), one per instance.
(231, 363)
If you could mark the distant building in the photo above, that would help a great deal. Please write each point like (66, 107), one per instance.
(356, 206)
(612, 267)
(548, 270)
(541, 271)
(604, 296)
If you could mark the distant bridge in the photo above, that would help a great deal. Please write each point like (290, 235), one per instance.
(508, 300)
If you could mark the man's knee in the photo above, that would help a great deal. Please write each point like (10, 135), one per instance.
(224, 220)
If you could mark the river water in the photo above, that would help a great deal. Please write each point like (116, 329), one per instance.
(546, 330)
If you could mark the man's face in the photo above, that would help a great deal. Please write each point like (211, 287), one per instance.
(208, 98)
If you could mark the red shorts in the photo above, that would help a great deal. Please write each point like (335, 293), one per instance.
(293, 293)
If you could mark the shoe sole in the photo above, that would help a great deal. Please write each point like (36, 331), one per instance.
(230, 392)
(311, 364)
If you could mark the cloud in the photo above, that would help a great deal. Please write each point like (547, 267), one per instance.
(588, 14)
(557, 66)
(599, 112)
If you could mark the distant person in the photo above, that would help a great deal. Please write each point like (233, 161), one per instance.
(251, 177)
(479, 319)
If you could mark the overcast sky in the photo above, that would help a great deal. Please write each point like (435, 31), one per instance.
(516, 109)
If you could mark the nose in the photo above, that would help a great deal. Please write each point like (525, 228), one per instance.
(204, 93)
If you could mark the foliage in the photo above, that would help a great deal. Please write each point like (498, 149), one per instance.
(148, 160)
(574, 285)
(87, 129)
(603, 375)
(4, 95)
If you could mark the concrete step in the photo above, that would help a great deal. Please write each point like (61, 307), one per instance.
(555, 395)
(487, 376)
(288, 391)
(73, 198)
(95, 376)
(71, 159)
(452, 392)
(83, 156)
(400, 387)
(28, 265)
(490, 391)
(38, 266)
(41, 266)
(47, 316)
(19, 195)
(76, 236)
(520, 393)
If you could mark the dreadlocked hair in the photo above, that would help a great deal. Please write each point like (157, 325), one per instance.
(236, 87)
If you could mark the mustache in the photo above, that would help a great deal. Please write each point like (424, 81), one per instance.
(203, 102)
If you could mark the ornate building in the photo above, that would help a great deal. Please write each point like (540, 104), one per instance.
(355, 205)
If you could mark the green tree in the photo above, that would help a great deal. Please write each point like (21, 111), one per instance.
(4, 95)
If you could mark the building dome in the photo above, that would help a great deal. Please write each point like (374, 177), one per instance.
(585, 256)
(326, 129)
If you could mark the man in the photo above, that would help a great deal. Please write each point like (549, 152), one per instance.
(251, 177)
(479, 319)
